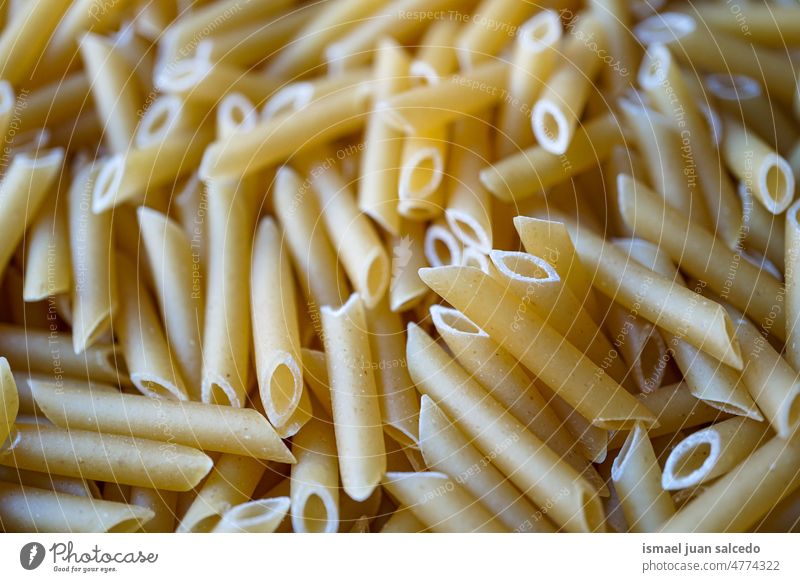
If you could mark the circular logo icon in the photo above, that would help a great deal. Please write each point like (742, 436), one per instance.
(31, 555)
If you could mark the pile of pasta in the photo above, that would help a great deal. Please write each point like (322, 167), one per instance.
(399, 266)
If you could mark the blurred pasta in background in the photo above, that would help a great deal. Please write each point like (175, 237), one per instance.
(399, 266)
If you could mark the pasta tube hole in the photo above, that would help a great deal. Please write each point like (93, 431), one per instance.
(282, 390)
(776, 182)
(550, 127)
(448, 318)
(315, 514)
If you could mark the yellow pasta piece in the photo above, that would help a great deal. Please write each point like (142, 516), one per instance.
(315, 479)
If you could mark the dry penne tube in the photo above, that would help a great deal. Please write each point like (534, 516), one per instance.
(434, 106)
(59, 484)
(545, 352)
(406, 289)
(534, 57)
(30, 509)
(752, 488)
(772, 382)
(436, 56)
(469, 209)
(746, 286)
(666, 85)
(423, 160)
(792, 288)
(383, 144)
(257, 516)
(354, 238)
(105, 457)
(637, 481)
(320, 275)
(535, 169)
(51, 353)
(775, 24)
(440, 503)
(762, 170)
(486, 33)
(314, 483)
(274, 140)
(295, 96)
(230, 483)
(539, 285)
(398, 400)
(141, 338)
(9, 405)
(161, 503)
(712, 452)
(441, 246)
(22, 192)
(403, 520)
(446, 449)
(209, 427)
(691, 37)
(558, 109)
(354, 398)
(275, 331)
(226, 331)
(530, 465)
(176, 271)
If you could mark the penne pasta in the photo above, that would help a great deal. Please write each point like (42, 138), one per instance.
(161, 503)
(9, 406)
(77, 487)
(421, 194)
(637, 481)
(33, 510)
(315, 479)
(104, 457)
(445, 449)
(406, 289)
(354, 398)
(712, 452)
(436, 56)
(257, 516)
(209, 427)
(441, 246)
(403, 521)
(441, 504)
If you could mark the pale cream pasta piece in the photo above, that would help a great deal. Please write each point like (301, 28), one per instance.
(529, 338)
(560, 105)
(436, 56)
(403, 520)
(57, 483)
(274, 140)
(161, 503)
(534, 57)
(771, 381)
(423, 160)
(440, 503)
(490, 29)
(616, 19)
(719, 52)
(276, 335)
(141, 338)
(8, 101)
(383, 144)
(23, 190)
(355, 239)
(94, 289)
(26, 35)
(257, 516)
(9, 405)
(792, 290)
(762, 170)
(209, 427)
(736, 280)
(441, 246)
(314, 482)
(30, 509)
(469, 206)
(354, 398)
(48, 352)
(446, 449)
(321, 277)
(532, 466)
(534, 170)
(666, 84)
(226, 332)
(713, 451)
(751, 489)
(329, 22)
(230, 483)
(177, 272)
(708, 379)
(637, 481)
(69, 93)
(115, 90)
(298, 94)
(105, 457)
(433, 106)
